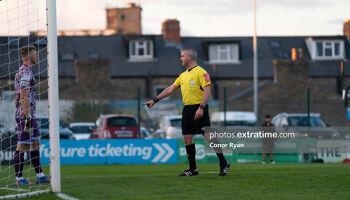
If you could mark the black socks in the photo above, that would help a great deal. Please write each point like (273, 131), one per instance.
(191, 155)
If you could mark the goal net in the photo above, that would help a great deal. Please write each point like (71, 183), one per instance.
(24, 23)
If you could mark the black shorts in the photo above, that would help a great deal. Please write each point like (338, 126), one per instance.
(189, 125)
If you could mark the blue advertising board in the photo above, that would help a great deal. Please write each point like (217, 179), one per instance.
(117, 151)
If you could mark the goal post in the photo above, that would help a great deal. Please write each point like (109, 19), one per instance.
(53, 96)
(26, 23)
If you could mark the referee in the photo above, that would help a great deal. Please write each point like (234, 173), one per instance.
(195, 89)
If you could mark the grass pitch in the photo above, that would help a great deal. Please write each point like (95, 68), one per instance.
(244, 181)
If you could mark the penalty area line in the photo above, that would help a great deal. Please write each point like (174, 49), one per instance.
(65, 197)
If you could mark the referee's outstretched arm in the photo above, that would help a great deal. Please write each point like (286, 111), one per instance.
(166, 92)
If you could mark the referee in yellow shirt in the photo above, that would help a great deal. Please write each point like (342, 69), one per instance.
(195, 89)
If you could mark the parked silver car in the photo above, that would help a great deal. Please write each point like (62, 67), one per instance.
(43, 124)
(234, 118)
(297, 122)
(145, 133)
(169, 127)
(82, 130)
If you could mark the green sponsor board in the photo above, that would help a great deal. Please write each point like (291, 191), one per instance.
(202, 156)
(333, 151)
(250, 150)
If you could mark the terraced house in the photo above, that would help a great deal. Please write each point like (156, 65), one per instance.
(112, 63)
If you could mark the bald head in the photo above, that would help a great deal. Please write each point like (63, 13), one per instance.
(191, 53)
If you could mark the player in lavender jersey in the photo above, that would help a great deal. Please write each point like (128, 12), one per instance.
(28, 131)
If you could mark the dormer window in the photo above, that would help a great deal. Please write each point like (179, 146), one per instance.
(223, 53)
(329, 49)
(326, 49)
(140, 50)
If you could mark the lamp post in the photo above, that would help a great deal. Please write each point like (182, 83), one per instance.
(255, 66)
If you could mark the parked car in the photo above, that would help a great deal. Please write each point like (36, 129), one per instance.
(169, 127)
(145, 132)
(43, 124)
(115, 126)
(297, 119)
(234, 118)
(82, 130)
(297, 122)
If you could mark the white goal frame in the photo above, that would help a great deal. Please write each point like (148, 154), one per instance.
(55, 168)
(53, 100)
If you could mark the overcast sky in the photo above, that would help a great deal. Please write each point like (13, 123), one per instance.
(217, 17)
(202, 17)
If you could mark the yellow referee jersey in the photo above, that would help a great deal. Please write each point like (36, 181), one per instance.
(191, 83)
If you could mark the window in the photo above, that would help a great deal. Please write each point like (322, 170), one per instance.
(302, 121)
(329, 49)
(140, 49)
(67, 56)
(175, 122)
(223, 53)
(121, 121)
(82, 129)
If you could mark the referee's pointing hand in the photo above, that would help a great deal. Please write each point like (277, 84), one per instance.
(149, 104)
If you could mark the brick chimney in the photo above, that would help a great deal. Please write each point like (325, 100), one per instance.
(294, 54)
(171, 30)
(289, 72)
(297, 54)
(125, 20)
(92, 71)
(346, 28)
(92, 77)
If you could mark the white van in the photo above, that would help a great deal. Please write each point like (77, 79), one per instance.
(234, 118)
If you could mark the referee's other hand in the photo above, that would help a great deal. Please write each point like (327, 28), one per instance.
(199, 114)
(149, 104)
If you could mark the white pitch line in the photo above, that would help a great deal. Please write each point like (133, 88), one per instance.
(25, 195)
(65, 197)
(13, 189)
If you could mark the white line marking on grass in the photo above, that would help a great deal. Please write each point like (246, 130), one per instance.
(65, 197)
(25, 195)
(14, 189)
